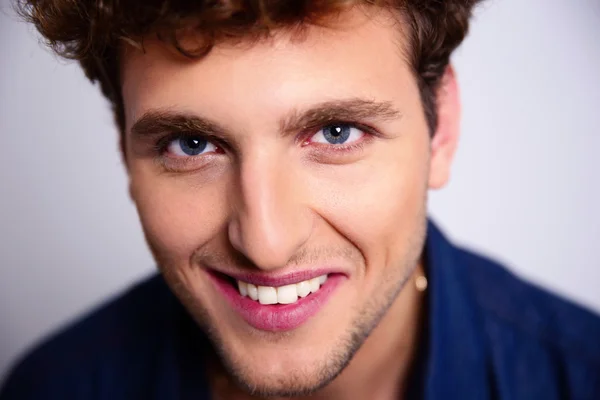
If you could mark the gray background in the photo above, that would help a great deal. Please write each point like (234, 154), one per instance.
(525, 187)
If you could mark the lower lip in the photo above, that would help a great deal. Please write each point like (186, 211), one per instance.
(277, 317)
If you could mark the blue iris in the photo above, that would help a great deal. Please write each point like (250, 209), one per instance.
(336, 134)
(192, 146)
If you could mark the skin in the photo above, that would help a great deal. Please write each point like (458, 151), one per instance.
(271, 198)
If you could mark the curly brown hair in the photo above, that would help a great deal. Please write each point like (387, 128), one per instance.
(92, 31)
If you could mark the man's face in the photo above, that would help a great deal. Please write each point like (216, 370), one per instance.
(299, 158)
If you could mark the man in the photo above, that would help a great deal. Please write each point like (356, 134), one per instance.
(279, 154)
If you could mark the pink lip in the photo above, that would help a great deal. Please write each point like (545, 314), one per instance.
(277, 317)
(261, 279)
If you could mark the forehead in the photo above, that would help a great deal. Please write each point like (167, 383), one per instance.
(361, 54)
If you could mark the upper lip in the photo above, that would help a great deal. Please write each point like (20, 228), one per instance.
(270, 279)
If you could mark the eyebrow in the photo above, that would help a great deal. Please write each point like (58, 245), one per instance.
(161, 121)
(351, 110)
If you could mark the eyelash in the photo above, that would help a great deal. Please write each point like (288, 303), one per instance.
(368, 131)
(162, 144)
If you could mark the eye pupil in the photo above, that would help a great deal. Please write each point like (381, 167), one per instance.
(193, 143)
(336, 134)
(192, 146)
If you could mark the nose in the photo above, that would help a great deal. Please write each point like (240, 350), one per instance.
(270, 223)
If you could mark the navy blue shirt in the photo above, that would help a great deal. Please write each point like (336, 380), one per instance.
(489, 335)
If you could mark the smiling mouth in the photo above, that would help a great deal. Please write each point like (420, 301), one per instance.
(287, 294)
(275, 304)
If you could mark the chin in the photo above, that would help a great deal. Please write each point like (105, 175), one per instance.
(284, 377)
(285, 368)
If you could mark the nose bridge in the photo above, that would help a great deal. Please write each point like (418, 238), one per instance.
(270, 223)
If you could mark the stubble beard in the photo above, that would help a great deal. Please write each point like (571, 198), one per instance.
(310, 380)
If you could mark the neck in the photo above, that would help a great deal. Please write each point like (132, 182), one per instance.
(381, 367)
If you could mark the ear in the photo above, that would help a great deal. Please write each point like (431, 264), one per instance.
(445, 139)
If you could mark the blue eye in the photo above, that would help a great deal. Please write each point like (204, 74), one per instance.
(338, 134)
(190, 146)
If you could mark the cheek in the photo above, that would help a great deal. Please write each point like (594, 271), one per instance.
(379, 204)
(178, 216)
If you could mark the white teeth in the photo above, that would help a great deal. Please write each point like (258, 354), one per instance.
(314, 284)
(267, 295)
(243, 288)
(287, 294)
(252, 292)
(303, 288)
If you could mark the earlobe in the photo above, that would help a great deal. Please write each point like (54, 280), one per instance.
(445, 138)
